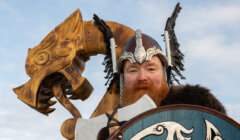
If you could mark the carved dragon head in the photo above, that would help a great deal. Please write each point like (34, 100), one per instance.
(60, 59)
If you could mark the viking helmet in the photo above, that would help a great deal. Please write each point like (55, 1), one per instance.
(140, 48)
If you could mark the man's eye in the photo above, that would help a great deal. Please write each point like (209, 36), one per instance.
(132, 70)
(151, 69)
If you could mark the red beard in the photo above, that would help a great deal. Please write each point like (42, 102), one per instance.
(132, 94)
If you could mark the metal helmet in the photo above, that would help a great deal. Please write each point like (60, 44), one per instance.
(140, 48)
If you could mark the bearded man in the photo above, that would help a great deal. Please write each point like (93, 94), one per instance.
(143, 70)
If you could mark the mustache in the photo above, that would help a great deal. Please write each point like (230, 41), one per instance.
(142, 86)
(157, 92)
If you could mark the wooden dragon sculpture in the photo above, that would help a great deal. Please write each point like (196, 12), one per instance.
(55, 66)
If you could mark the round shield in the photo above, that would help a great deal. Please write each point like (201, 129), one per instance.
(179, 122)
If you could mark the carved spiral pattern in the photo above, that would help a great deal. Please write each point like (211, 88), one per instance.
(41, 58)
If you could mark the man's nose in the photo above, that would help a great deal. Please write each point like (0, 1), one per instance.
(142, 76)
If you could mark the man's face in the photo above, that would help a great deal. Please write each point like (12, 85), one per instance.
(146, 78)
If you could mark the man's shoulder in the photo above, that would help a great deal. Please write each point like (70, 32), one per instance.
(194, 95)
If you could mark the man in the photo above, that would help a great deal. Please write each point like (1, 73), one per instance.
(144, 72)
(143, 66)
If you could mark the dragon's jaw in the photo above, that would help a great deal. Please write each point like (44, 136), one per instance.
(37, 92)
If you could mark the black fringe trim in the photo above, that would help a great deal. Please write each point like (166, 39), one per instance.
(176, 55)
(107, 62)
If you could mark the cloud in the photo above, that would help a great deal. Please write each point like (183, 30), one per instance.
(211, 57)
(214, 15)
(3, 112)
(214, 49)
(29, 119)
(11, 12)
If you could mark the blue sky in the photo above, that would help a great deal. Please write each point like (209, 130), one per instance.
(208, 32)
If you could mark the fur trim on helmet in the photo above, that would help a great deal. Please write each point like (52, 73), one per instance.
(194, 95)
